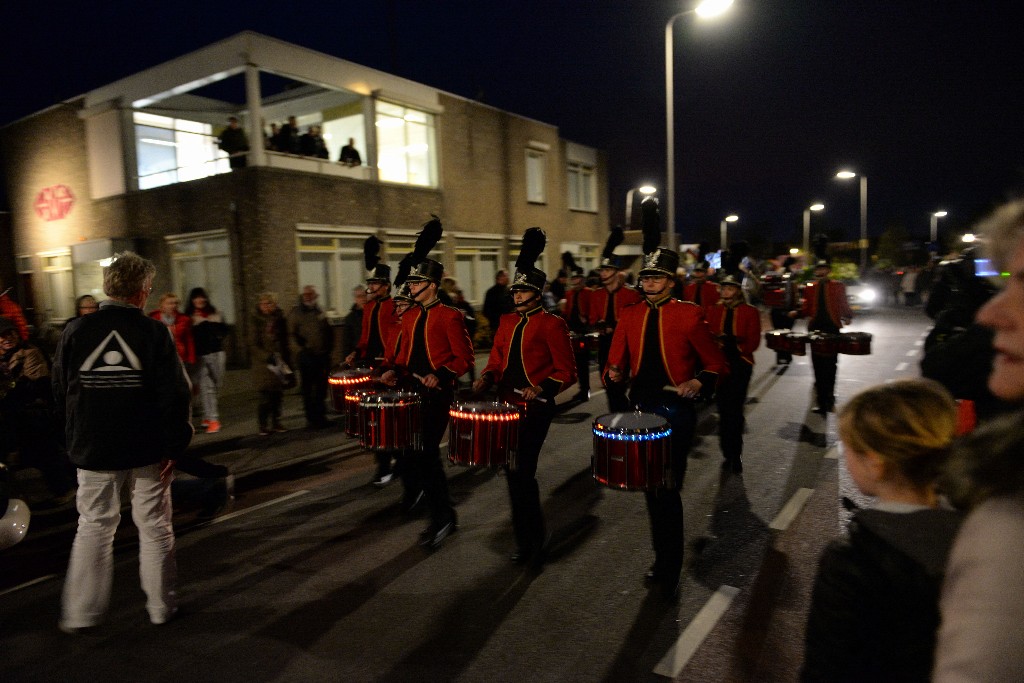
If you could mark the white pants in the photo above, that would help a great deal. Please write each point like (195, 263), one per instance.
(91, 568)
(207, 375)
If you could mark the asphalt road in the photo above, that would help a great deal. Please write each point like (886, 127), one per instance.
(317, 576)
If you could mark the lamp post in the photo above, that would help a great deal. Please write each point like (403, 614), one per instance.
(807, 225)
(706, 9)
(846, 175)
(936, 215)
(723, 228)
(645, 190)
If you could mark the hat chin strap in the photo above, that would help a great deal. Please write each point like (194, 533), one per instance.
(535, 297)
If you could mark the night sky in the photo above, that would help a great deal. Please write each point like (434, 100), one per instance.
(772, 99)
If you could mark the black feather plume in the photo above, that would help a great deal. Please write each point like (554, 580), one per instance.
(650, 224)
(820, 247)
(615, 238)
(702, 251)
(426, 240)
(371, 252)
(740, 250)
(534, 241)
(569, 263)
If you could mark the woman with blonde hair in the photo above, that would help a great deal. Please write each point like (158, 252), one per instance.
(874, 611)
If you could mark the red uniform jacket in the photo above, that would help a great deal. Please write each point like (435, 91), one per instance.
(12, 311)
(546, 353)
(746, 327)
(685, 340)
(835, 300)
(708, 294)
(387, 324)
(597, 306)
(577, 303)
(449, 349)
(181, 333)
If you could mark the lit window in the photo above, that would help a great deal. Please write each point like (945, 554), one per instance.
(535, 176)
(582, 193)
(204, 261)
(175, 150)
(405, 146)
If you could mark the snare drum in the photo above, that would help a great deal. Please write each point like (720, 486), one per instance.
(390, 421)
(632, 451)
(341, 381)
(584, 341)
(776, 339)
(354, 409)
(824, 344)
(484, 434)
(855, 343)
(796, 343)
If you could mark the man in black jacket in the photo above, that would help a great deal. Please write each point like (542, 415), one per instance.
(124, 398)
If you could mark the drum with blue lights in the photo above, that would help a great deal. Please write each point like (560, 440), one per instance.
(632, 451)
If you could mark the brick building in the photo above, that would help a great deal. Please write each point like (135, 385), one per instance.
(135, 164)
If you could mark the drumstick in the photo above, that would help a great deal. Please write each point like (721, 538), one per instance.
(538, 398)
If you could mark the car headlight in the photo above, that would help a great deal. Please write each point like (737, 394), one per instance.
(868, 295)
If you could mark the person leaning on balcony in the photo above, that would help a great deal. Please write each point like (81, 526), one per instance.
(350, 155)
(234, 143)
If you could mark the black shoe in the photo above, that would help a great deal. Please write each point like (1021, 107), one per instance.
(383, 479)
(818, 410)
(651, 576)
(520, 556)
(582, 396)
(444, 532)
(411, 505)
(669, 590)
(732, 465)
(427, 535)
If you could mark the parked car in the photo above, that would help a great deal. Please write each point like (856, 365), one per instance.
(862, 296)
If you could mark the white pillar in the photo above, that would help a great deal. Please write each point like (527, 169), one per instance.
(254, 104)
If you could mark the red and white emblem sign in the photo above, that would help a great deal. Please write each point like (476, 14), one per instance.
(54, 203)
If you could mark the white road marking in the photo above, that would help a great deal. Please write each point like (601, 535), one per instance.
(28, 583)
(790, 510)
(232, 515)
(901, 367)
(919, 342)
(596, 393)
(832, 453)
(912, 352)
(694, 634)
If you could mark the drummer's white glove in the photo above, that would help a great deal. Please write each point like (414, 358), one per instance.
(530, 393)
(390, 378)
(690, 389)
(482, 384)
(430, 381)
(614, 373)
(350, 357)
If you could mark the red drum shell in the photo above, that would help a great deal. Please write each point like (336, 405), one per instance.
(353, 409)
(855, 343)
(824, 344)
(390, 421)
(795, 343)
(632, 451)
(776, 339)
(341, 382)
(484, 434)
(773, 296)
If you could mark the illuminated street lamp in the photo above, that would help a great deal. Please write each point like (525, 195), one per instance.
(645, 190)
(807, 224)
(706, 9)
(935, 224)
(846, 175)
(723, 226)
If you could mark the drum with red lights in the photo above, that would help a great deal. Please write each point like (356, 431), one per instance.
(784, 340)
(855, 343)
(632, 451)
(584, 341)
(354, 409)
(483, 434)
(341, 382)
(824, 344)
(390, 421)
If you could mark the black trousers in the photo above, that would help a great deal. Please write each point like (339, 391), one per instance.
(268, 410)
(825, 367)
(582, 368)
(782, 321)
(313, 369)
(616, 392)
(732, 397)
(665, 506)
(523, 489)
(422, 468)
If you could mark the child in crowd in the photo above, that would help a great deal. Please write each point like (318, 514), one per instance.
(874, 611)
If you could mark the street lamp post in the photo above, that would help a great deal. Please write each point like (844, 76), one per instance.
(724, 227)
(935, 225)
(845, 175)
(807, 226)
(707, 8)
(645, 190)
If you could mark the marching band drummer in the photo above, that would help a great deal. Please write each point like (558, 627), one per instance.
(379, 321)
(531, 362)
(699, 289)
(737, 325)
(827, 310)
(658, 346)
(577, 298)
(435, 349)
(604, 310)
